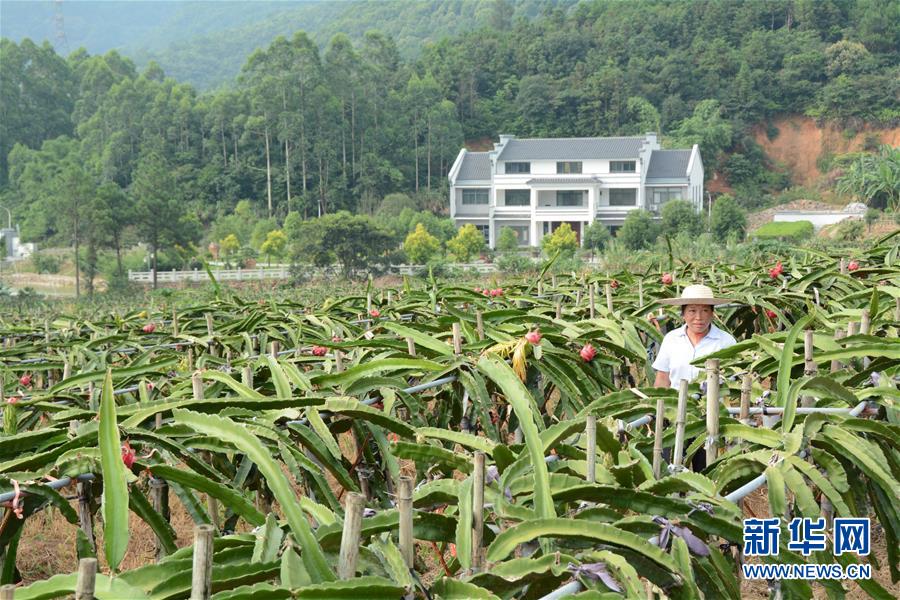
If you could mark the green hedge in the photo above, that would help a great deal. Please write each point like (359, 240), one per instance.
(788, 231)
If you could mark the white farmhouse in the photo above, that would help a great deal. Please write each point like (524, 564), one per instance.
(534, 185)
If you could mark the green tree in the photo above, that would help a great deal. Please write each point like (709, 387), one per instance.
(872, 215)
(596, 237)
(275, 243)
(468, 242)
(507, 241)
(874, 179)
(353, 241)
(680, 216)
(261, 231)
(639, 230)
(160, 218)
(229, 246)
(420, 246)
(563, 240)
(707, 128)
(393, 204)
(727, 219)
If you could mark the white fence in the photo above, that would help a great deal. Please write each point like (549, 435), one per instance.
(281, 272)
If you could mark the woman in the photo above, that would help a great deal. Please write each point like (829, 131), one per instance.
(695, 339)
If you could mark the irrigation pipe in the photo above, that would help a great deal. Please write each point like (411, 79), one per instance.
(755, 484)
(777, 410)
(53, 485)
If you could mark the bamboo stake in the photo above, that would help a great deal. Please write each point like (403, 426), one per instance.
(404, 504)
(746, 390)
(843, 267)
(591, 302)
(338, 361)
(609, 304)
(411, 347)
(174, 322)
(363, 475)
(201, 578)
(852, 328)
(658, 437)
(8, 591)
(836, 364)
(159, 493)
(211, 348)
(353, 512)
(553, 281)
(212, 503)
(478, 512)
(247, 376)
(558, 309)
(85, 516)
(810, 367)
(578, 298)
(712, 410)
(274, 348)
(680, 418)
(479, 324)
(87, 578)
(865, 326)
(897, 308)
(457, 338)
(590, 430)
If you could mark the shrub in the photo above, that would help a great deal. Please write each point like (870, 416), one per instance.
(421, 246)
(850, 230)
(511, 262)
(596, 237)
(872, 215)
(639, 230)
(467, 243)
(562, 240)
(507, 241)
(680, 216)
(727, 217)
(795, 231)
(45, 263)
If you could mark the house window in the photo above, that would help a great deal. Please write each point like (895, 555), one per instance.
(518, 167)
(474, 196)
(517, 197)
(485, 231)
(570, 198)
(661, 195)
(622, 166)
(568, 167)
(623, 197)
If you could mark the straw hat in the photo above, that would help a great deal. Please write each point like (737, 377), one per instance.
(696, 294)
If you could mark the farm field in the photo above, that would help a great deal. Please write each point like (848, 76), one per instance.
(449, 441)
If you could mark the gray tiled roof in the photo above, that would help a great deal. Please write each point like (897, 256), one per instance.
(571, 148)
(668, 164)
(589, 179)
(476, 166)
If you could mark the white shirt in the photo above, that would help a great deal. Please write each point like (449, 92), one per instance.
(677, 352)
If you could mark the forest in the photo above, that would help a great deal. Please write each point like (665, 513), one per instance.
(97, 153)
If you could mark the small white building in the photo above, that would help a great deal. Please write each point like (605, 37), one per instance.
(534, 185)
(13, 248)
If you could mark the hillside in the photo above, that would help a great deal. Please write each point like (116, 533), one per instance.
(206, 43)
(803, 146)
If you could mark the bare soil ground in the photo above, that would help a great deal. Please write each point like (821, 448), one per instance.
(801, 142)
